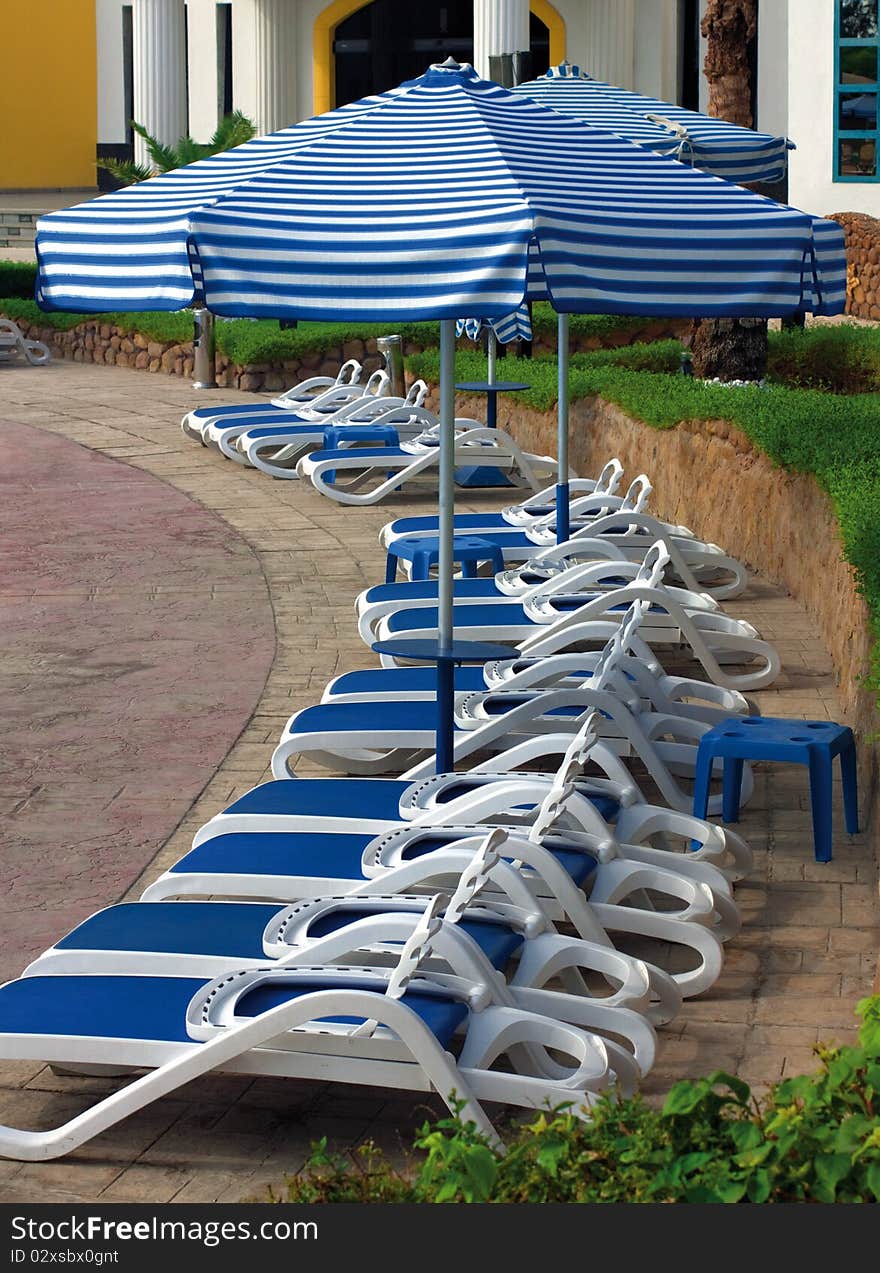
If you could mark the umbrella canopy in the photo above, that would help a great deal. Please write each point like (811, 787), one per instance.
(127, 250)
(444, 197)
(723, 149)
(455, 196)
(447, 196)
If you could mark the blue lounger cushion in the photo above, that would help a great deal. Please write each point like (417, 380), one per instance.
(413, 680)
(511, 615)
(255, 419)
(393, 715)
(99, 1007)
(426, 590)
(154, 1008)
(368, 798)
(324, 855)
(441, 1016)
(495, 938)
(366, 453)
(498, 616)
(293, 430)
(184, 928)
(409, 525)
(234, 929)
(242, 408)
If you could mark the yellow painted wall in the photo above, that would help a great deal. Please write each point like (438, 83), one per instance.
(48, 94)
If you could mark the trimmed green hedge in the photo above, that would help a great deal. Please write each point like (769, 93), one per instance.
(17, 278)
(813, 1138)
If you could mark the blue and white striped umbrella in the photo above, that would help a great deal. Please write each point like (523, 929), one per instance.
(448, 196)
(714, 145)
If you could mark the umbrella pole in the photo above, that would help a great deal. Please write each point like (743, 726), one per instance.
(562, 505)
(445, 671)
(491, 398)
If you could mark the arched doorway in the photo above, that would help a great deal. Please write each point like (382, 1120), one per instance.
(388, 41)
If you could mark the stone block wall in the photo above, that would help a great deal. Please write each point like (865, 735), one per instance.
(862, 263)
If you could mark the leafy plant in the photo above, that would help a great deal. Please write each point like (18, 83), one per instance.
(233, 130)
(813, 1138)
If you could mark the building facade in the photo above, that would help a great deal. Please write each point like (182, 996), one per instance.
(178, 65)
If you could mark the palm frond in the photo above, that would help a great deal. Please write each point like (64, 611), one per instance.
(233, 129)
(187, 151)
(126, 172)
(162, 156)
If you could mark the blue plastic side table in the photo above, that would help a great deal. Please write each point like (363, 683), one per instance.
(813, 743)
(378, 434)
(471, 475)
(424, 552)
(447, 658)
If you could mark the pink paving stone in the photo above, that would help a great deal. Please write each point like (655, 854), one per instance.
(119, 700)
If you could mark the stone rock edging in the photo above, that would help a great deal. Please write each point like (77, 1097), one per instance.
(707, 475)
(862, 263)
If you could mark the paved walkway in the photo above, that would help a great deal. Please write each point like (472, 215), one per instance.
(120, 600)
(806, 953)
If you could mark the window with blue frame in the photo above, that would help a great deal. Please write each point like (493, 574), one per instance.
(856, 69)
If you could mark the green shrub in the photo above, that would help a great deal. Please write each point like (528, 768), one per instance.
(17, 278)
(840, 358)
(813, 1138)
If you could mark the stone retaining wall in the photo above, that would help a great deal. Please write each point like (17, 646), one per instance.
(862, 263)
(103, 343)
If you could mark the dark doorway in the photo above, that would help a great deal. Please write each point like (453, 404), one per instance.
(389, 41)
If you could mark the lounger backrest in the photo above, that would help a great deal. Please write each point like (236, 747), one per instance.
(445, 910)
(637, 494)
(416, 395)
(349, 373)
(378, 385)
(609, 478)
(476, 875)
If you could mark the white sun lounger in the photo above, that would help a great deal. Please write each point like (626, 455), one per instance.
(296, 1022)
(375, 472)
(14, 344)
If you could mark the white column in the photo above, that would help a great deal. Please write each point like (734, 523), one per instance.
(610, 39)
(656, 40)
(201, 56)
(159, 71)
(264, 61)
(500, 26)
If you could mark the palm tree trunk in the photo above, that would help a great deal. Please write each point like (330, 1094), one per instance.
(729, 349)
